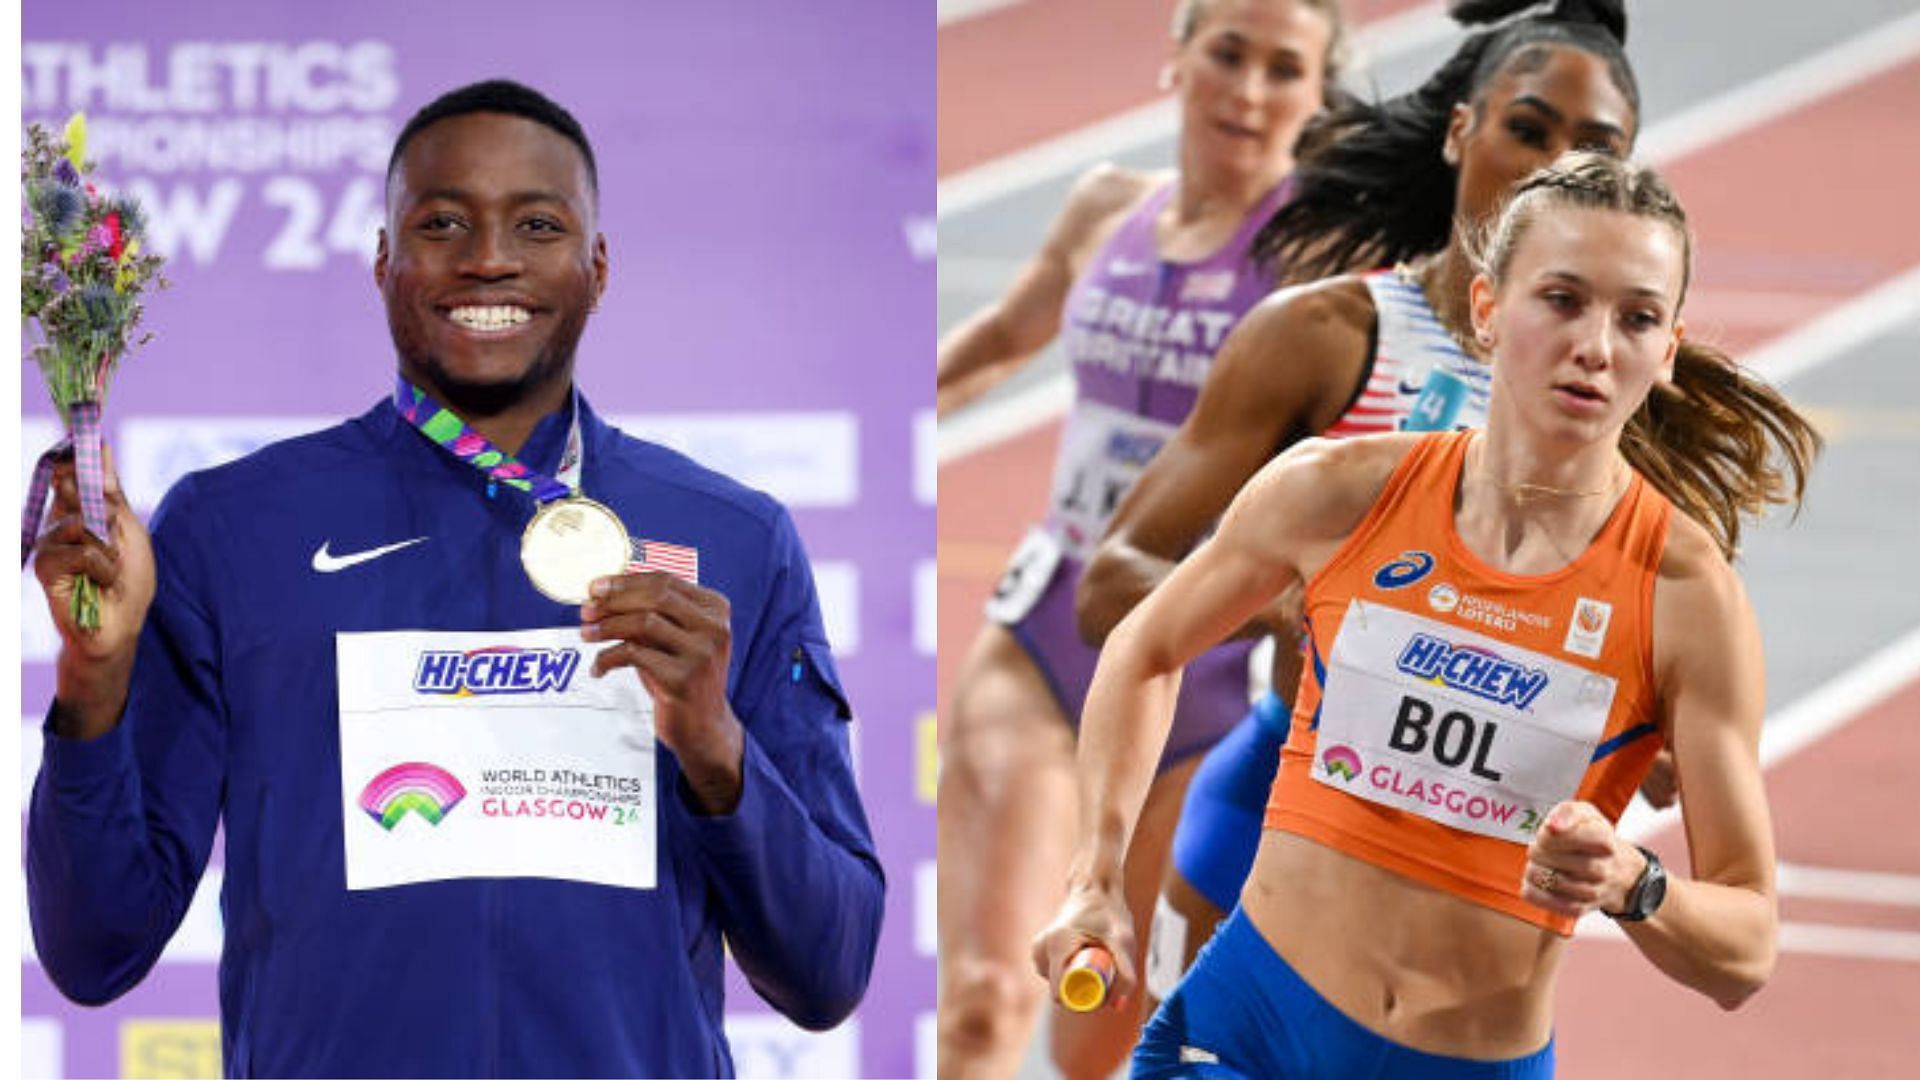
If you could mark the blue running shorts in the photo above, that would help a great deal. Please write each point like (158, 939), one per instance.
(1242, 1013)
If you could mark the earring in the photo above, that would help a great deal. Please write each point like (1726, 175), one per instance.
(1485, 338)
(1166, 77)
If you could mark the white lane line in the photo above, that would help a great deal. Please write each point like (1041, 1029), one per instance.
(953, 11)
(1829, 708)
(1852, 886)
(962, 274)
(1056, 157)
(976, 429)
(1782, 359)
(1849, 63)
(1851, 942)
(1063, 154)
(1687, 132)
(1814, 716)
(1816, 939)
(1839, 331)
(1722, 117)
(1382, 40)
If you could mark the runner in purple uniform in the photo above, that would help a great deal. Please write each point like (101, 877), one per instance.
(1142, 276)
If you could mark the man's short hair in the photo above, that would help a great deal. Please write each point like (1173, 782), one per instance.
(498, 96)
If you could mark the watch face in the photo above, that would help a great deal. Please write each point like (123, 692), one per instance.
(1652, 892)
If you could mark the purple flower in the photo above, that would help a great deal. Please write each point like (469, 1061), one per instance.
(66, 173)
(60, 207)
(55, 278)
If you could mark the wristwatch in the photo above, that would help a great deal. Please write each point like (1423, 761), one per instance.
(1647, 892)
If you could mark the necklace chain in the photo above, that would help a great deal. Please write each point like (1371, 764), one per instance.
(1523, 492)
(1526, 493)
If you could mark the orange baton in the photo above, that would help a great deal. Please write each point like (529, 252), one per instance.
(1083, 986)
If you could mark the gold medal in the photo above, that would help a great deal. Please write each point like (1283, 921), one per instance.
(569, 544)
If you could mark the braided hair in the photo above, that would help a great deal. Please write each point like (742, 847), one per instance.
(1371, 186)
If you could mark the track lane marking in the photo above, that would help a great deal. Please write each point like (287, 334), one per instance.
(1853, 886)
(1050, 159)
(1815, 939)
(1815, 715)
(956, 11)
(1750, 105)
(1744, 108)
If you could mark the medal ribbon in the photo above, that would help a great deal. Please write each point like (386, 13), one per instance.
(83, 438)
(453, 434)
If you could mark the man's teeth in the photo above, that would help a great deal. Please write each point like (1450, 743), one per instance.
(489, 318)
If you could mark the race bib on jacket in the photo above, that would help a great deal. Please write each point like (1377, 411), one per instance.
(466, 755)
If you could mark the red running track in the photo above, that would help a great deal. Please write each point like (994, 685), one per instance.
(1794, 217)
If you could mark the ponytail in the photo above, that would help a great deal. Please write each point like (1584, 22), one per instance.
(1717, 440)
(1720, 443)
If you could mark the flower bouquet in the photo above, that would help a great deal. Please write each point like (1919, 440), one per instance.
(82, 273)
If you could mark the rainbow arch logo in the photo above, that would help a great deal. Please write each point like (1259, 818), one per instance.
(1342, 762)
(413, 786)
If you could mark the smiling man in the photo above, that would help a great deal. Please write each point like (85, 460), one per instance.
(492, 798)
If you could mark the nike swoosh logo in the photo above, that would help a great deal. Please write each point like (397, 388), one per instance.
(326, 562)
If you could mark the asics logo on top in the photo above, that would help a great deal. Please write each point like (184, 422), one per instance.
(326, 562)
(1410, 567)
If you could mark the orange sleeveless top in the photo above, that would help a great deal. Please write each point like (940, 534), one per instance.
(1448, 705)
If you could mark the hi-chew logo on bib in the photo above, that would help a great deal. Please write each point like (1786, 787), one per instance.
(1132, 447)
(411, 787)
(497, 669)
(1472, 668)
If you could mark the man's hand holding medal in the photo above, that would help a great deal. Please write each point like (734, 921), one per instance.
(679, 638)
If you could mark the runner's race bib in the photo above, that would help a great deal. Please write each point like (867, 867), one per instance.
(1454, 726)
(1102, 452)
(1026, 577)
(468, 755)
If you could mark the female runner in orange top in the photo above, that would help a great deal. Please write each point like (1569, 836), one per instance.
(1504, 626)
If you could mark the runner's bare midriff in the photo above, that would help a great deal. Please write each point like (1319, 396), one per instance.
(1406, 961)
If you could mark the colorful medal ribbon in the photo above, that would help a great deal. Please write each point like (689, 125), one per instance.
(83, 439)
(452, 433)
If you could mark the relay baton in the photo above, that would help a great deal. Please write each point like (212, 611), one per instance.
(1083, 987)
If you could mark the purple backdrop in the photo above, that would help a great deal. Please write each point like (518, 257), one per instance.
(767, 177)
